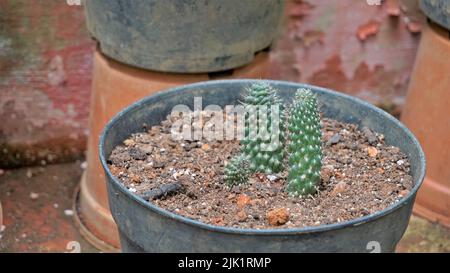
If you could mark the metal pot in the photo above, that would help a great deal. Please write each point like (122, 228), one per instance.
(438, 11)
(144, 227)
(184, 36)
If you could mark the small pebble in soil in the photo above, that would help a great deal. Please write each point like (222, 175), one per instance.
(242, 216)
(236, 189)
(242, 200)
(147, 149)
(34, 195)
(158, 164)
(206, 147)
(327, 172)
(372, 151)
(68, 212)
(339, 188)
(129, 142)
(217, 221)
(137, 153)
(278, 217)
(272, 177)
(371, 137)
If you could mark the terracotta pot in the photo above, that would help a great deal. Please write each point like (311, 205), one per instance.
(426, 113)
(115, 86)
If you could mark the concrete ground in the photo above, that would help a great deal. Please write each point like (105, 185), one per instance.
(37, 209)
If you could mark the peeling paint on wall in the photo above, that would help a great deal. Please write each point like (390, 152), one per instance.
(350, 46)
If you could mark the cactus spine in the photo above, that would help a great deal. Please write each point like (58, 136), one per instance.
(305, 151)
(262, 145)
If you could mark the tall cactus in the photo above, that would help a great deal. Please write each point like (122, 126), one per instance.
(305, 150)
(263, 146)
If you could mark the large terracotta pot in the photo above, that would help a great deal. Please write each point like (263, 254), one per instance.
(115, 86)
(427, 114)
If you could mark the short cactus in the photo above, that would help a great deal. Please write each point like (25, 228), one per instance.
(237, 170)
(305, 150)
(263, 146)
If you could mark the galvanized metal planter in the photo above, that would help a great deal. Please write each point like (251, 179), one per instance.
(184, 36)
(144, 227)
(438, 11)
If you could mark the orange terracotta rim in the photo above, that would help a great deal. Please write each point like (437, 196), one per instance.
(84, 231)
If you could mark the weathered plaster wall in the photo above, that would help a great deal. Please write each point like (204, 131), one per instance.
(45, 76)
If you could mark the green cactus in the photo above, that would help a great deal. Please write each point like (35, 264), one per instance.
(305, 150)
(263, 146)
(237, 170)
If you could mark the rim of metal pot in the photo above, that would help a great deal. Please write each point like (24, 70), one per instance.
(272, 231)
